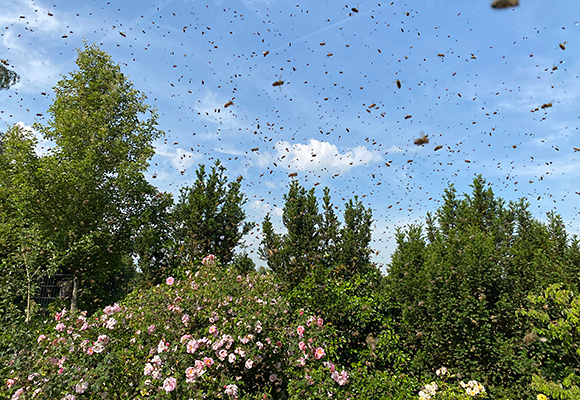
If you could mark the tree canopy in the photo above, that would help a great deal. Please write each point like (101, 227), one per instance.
(84, 194)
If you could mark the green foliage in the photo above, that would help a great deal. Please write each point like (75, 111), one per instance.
(361, 315)
(8, 77)
(448, 386)
(82, 197)
(555, 318)
(460, 284)
(153, 240)
(209, 216)
(179, 330)
(316, 243)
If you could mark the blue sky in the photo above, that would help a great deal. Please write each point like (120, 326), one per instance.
(471, 78)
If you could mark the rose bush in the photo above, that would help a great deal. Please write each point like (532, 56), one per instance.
(208, 334)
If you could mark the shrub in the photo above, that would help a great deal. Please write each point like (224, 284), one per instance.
(211, 334)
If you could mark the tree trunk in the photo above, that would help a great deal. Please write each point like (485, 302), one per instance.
(75, 294)
(28, 287)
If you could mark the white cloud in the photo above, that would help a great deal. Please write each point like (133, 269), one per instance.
(262, 208)
(180, 158)
(35, 17)
(318, 156)
(37, 73)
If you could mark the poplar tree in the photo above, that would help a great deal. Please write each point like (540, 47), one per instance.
(84, 195)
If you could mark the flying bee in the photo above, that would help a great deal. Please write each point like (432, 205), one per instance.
(437, 148)
(505, 3)
(293, 174)
(279, 82)
(229, 103)
(546, 105)
(398, 82)
(562, 46)
(422, 140)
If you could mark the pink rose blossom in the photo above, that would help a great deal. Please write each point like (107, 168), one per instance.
(60, 327)
(208, 260)
(190, 374)
(90, 351)
(59, 315)
(151, 329)
(302, 346)
(249, 364)
(111, 322)
(223, 353)
(320, 322)
(231, 390)
(185, 319)
(300, 331)
(162, 346)
(192, 346)
(319, 353)
(341, 378)
(81, 387)
(98, 347)
(170, 281)
(41, 338)
(17, 394)
(148, 369)
(10, 383)
(169, 384)
(208, 361)
(104, 339)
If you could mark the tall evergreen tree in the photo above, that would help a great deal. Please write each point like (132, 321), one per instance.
(209, 216)
(316, 243)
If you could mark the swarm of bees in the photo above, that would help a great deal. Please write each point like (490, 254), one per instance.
(505, 3)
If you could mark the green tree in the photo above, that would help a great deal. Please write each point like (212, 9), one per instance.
(154, 244)
(293, 256)
(316, 243)
(24, 250)
(460, 284)
(355, 237)
(209, 216)
(7, 76)
(554, 315)
(85, 194)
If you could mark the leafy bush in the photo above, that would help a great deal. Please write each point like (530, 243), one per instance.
(212, 334)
